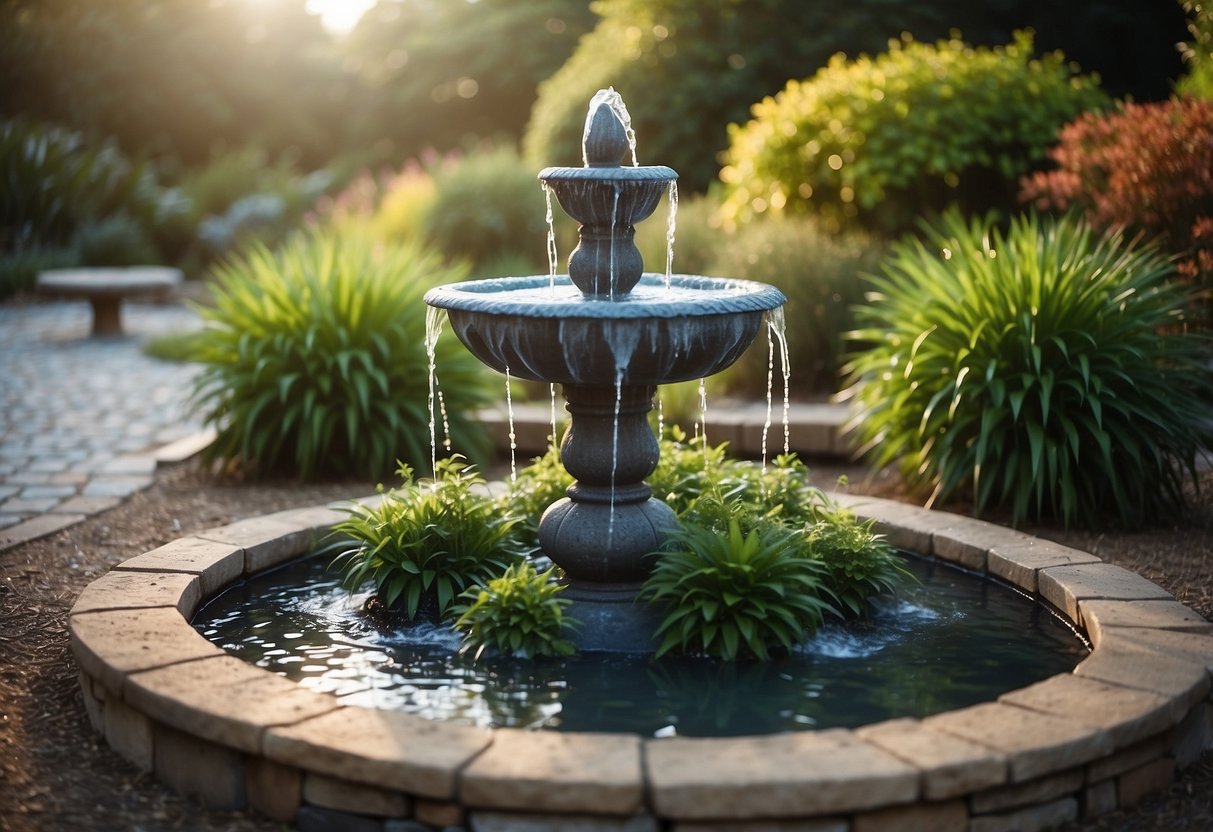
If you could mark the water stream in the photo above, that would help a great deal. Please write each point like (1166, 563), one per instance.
(433, 328)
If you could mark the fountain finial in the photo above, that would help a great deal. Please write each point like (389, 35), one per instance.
(606, 139)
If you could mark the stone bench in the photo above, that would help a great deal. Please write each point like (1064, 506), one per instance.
(105, 289)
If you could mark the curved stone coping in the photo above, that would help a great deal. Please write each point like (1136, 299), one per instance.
(236, 736)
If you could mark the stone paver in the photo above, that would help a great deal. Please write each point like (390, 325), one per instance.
(81, 418)
(556, 772)
(381, 748)
(785, 775)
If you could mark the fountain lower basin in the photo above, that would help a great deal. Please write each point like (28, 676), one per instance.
(953, 640)
(234, 736)
(542, 329)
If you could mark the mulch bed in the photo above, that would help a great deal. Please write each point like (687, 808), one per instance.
(56, 774)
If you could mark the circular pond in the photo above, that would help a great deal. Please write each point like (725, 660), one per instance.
(955, 639)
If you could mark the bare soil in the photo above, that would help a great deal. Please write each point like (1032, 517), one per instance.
(57, 774)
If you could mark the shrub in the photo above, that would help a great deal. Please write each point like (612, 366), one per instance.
(880, 141)
(697, 240)
(733, 592)
(488, 206)
(1144, 167)
(428, 541)
(859, 564)
(19, 269)
(117, 240)
(821, 274)
(520, 613)
(315, 359)
(55, 181)
(1197, 53)
(1038, 369)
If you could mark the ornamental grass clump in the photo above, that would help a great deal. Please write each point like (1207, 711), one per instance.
(315, 362)
(428, 541)
(518, 614)
(1044, 370)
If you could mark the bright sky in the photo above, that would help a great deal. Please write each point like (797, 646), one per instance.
(339, 16)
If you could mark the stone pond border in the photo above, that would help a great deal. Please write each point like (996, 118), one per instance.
(233, 736)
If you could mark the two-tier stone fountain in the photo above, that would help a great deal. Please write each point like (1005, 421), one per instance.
(609, 334)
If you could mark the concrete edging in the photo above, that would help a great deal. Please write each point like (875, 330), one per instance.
(234, 736)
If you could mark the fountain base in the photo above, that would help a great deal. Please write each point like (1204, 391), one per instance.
(612, 620)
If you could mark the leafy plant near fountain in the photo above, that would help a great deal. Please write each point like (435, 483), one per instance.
(734, 591)
(315, 360)
(877, 141)
(428, 542)
(1045, 369)
(519, 613)
(761, 559)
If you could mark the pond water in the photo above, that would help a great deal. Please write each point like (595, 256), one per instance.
(954, 640)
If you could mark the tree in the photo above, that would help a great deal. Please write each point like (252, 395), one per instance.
(689, 68)
(174, 76)
(439, 71)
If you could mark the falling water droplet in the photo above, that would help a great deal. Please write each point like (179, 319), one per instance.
(509, 415)
(660, 418)
(671, 222)
(766, 424)
(446, 422)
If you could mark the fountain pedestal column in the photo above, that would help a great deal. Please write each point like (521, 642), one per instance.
(603, 530)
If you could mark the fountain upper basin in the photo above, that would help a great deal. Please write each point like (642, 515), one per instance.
(653, 335)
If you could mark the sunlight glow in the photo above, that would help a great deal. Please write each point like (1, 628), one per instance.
(339, 16)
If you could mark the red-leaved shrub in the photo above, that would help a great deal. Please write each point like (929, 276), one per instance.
(1146, 168)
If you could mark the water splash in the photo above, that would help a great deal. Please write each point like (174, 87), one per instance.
(509, 415)
(551, 221)
(671, 222)
(433, 328)
(615, 101)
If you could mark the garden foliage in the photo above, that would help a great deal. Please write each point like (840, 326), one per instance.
(1146, 168)
(732, 592)
(880, 141)
(1043, 370)
(754, 567)
(1198, 52)
(429, 541)
(314, 359)
(65, 197)
(519, 613)
(822, 276)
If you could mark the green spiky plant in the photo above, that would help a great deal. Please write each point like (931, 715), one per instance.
(519, 613)
(428, 541)
(1044, 369)
(737, 592)
(315, 359)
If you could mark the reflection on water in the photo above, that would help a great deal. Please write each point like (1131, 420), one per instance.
(953, 641)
